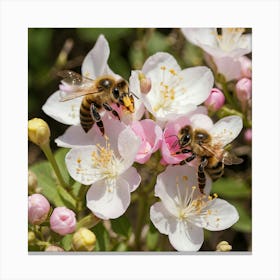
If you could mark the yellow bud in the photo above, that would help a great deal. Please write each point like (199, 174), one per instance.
(32, 182)
(83, 240)
(38, 131)
(223, 246)
(145, 83)
(31, 237)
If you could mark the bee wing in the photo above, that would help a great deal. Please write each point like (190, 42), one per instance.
(75, 85)
(230, 159)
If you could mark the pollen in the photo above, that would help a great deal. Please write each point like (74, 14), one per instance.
(185, 178)
(173, 72)
(163, 68)
(79, 160)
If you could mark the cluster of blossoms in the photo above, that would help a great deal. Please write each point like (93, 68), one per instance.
(167, 98)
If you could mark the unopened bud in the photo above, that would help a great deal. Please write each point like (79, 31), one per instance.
(145, 83)
(32, 181)
(38, 209)
(223, 246)
(63, 220)
(248, 135)
(53, 248)
(246, 66)
(215, 100)
(31, 237)
(38, 131)
(83, 240)
(244, 91)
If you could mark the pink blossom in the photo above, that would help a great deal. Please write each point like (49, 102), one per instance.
(215, 100)
(248, 135)
(38, 209)
(246, 66)
(151, 136)
(244, 91)
(63, 220)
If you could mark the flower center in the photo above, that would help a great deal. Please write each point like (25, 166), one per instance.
(189, 206)
(168, 86)
(104, 159)
(229, 38)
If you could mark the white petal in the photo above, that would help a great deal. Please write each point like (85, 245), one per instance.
(108, 200)
(132, 177)
(226, 129)
(163, 220)
(174, 185)
(201, 121)
(79, 165)
(220, 215)
(198, 82)
(154, 62)
(128, 146)
(186, 237)
(75, 136)
(65, 112)
(198, 35)
(95, 63)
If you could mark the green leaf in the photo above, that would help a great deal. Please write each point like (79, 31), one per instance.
(91, 34)
(47, 180)
(68, 200)
(158, 42)
(231, 188)
(152, 237)
(122, 226)
(121, 247)
(66, 242)
(244, 223)
(102, 238)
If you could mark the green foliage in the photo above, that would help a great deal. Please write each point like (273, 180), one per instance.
(121, 226)
(48, 182)
(102, 238)
(230, 188)
(66, 242)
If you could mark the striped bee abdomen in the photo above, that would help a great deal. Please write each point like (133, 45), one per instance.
(86, 119)
(216, 171)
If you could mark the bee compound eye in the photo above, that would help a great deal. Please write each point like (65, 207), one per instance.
(116, 93)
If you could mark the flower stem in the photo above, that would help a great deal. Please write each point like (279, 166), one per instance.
(49, 154)
(141, 219)
(88, 221)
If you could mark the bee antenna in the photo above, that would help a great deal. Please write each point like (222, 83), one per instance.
(134, 94)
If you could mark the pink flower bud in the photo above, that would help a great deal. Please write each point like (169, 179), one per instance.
(215, 100)
(38, 209)
(248, 135)
(63, 220)
(244, 89)
(246, 66)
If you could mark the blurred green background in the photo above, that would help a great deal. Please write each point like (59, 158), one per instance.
(53, 49)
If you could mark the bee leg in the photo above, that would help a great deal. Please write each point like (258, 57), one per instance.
(192, 157)
(107, 107)
(183, 151)
(201, 174)
(96, 116)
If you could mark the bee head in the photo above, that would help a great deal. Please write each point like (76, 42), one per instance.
(122, 95)
(185, 136)
(201, 137)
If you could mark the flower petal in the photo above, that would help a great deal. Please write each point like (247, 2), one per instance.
(198, 82)
(226, 129)
(65, 112)
(163, 220)
(128, 146)
(198, 35)
(95, 62)
(108, 199)
(201, 121)
(154, 62)
(229, 67)
(79, 165)
(132, 177)
(220, 215)
(75, 136)
(186, 237)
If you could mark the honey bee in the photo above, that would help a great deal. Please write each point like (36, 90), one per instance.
(99, 94)
(211, 154)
